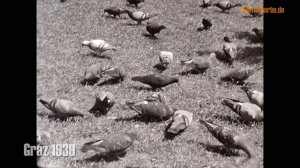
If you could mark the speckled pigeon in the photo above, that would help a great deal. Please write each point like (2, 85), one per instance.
(254, 96)
(229, 138)
(180, 121)
(139, 16)
(62, 108)
(247, 111)
(152, 109)
(230, 49)
(116, 73)
(115, 11)
(239, 76)
(93, 73)
(104, 102)
(199, 64)
(113, 144)
(156, 80)
(226, 5)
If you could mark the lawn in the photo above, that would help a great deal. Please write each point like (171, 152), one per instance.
(61, 62)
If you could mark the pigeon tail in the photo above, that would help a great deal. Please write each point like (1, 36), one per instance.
(173, 130)
(152, 15)
(228, 102)
(89, 146)
(136, 78)
(46, 103)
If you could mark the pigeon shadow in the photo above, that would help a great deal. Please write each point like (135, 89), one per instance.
(92, 54)
(113, 18)
(220, 149)
(223, 58)
(103, 157)
(53, 117)
(97, 112)
(201, 53)
(202, 29)
(250, 37)
(169, 135)
(160, 67)
(231, 119)
(110, 81)
(141, 118)
(193, 72)
(132, 24)
(150, 36)
(90, 82)
(140, 88)
(250, 55)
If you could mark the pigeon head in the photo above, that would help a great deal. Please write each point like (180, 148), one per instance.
(227, 39)
(85, 43)
(255, 30)
(175, 80)
(133, 135)
(163, 27)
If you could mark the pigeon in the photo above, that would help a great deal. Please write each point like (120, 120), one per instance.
(153, 28)
(115, 73)
(165, 58)
(226, 5)
(62, 108)
(98, 45)
(252, 12)
(229, 49)
(43, 138)
(139, 16)
(135, 2)
(180, 121)
(115, 11)
(104, 102)
(229, 138)
(152, 109)
(239, 76)
(259, 33)
(254, 96)
(206, 3)
(113, 144)
(156, 80)
(93, 73)
(206, 23)
(247, 111)
(199, 65)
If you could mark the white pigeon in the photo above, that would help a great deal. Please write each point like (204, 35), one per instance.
(98, 45)
(165, 58)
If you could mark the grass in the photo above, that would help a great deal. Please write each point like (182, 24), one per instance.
(61, 61)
